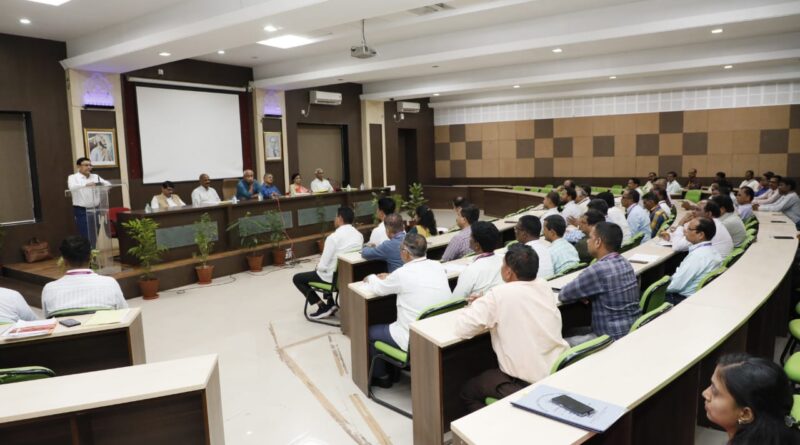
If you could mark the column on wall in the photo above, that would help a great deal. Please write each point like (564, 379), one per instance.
(268, 113)
(372, 114)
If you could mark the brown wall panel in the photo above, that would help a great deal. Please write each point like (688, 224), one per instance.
(96, 119)
(274, 167)
(376, 153)
(422, 123)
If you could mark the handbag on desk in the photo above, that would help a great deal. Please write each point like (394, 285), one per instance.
(36, 250)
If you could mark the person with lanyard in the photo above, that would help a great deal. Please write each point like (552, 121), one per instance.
(320, 184)
(788, 203)
(637, 216)
(771, 195)
(459, 244)
(527, 231)
(721, 241)
(268, 189)
(657, 214)
(389, 250)
(587, 221)
(81, 187)
(744, 203)
(248, 187)
(562, 253)
(483, 273)
(701, 260)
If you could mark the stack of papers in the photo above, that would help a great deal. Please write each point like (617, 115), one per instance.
(107, 317)
(643, 259)
(539, 401)
(27, 329)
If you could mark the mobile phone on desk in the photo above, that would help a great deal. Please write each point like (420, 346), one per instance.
(69, 322)
(573, 406)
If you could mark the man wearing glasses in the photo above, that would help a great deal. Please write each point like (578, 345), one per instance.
(771, 195)
(701, 260)
(81, 186)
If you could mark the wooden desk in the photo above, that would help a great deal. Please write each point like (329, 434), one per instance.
(172, 402)
(80, 349)
(665, 364)
(502, 201)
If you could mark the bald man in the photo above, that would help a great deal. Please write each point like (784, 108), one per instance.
(320, 184)
(248, 187)
(204, 195)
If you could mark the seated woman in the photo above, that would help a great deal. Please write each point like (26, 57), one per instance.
(296, 188)
(750, 398)
(426, 222)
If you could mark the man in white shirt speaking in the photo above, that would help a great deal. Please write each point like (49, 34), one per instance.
(320, 184)
(419, 284)
(344, 239)
(81, 187)
(204, 194)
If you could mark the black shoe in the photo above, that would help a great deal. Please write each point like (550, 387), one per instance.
(325, 310)
(382, 382)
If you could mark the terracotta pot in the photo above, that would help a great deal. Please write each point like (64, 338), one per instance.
(204, 274)
(321, 244)
(149, 288)
(255, 262)
(279, 257)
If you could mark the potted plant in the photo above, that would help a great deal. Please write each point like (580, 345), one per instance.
(322, 224)
(147, 251)
(204, 234)
(251, 232)
(276, 234)
(416, 198)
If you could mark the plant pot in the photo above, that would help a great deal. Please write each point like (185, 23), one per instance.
(149, 288)
(321, 244)
(255, 262)
(279, 257)
(204, 274)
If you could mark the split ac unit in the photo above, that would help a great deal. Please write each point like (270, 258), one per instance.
(325, 98)
(408, 107)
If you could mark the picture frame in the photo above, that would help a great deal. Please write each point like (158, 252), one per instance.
(100, 146)
(273, 145)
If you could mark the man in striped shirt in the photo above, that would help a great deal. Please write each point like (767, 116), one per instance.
(80, 287)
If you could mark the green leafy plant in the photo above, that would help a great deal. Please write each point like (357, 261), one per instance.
(254, 232)
(204, 231)
(416, 198)
(146, 250)
(275, 229)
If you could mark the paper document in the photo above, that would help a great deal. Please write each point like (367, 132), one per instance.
(642, 258)
(26, 329)
(664, 243)
(539, 401)
(454, 268)
(107, 317)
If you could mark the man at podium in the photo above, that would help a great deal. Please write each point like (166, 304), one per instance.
(81, 186)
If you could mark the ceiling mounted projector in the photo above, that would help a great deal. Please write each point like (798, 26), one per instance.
(363, 51)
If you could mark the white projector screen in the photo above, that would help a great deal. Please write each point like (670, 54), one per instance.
(186, 133)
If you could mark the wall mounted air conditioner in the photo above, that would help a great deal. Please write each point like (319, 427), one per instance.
(325, 98)
(408, 107)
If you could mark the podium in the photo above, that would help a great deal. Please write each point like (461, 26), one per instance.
(99, 225)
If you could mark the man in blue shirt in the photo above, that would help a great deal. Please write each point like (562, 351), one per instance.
(638, 217)
(248, 187)
(610, 284)
(701, 260)
(268, 189)
(389, 250)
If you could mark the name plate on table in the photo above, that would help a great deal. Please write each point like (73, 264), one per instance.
(364, 208)
(306, 217)
(252, 225)
(179, 236)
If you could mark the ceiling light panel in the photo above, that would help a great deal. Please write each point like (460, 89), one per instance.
(50, 2)
(287, 41)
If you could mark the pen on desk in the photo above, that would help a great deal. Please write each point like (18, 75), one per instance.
(638, 261)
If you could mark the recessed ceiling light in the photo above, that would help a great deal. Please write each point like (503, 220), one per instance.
(515, 86)
(727, 67)
(50, 2)
(716, 31)
(25, 21)
(435, 94)
(557, 50)
(221, 52)
(287, 41)
(164, 54)
(271, 28)
(612, 77)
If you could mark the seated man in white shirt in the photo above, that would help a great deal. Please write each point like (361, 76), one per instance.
(524, 324)
(13, 307)
(730, 219)
(419, 284)
(584, 191)
(80, 287)
(483, 273)
(320, 184)
(386, 206)
(701, 260)
(571, 209)
(204, 194)
(673, 187)
(772, 194)
(750, 181)
(616, 215)
(527, 231)
(344, 239)
(168, 198)
(744, 202)
(721, 242)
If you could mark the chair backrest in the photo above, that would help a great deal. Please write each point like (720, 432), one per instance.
(654, 295)
(633, 242)
(549, 186)
(441, 308)
(580, 352)
(650, 316)
(518, 188)
(24, 373)
(113, 213)
(733, 256)
(693, 195)
(533, 189)
(77, 311)
(513, 241)
(598, 190)
(748, 240)
(568, 270)
(752, 231)
(711, 276)
(229, 188)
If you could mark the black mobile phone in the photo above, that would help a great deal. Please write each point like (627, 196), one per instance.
(783, 237)
(573, 406)
(69, 322)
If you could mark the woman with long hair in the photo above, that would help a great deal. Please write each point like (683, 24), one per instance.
(426, 222)
(751, 398)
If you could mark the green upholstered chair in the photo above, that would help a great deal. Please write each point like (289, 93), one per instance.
(751, 222)
(77, 311)
(664, 227)
(794, 337)
(568, 270)
(513, 241)
(792, 368)
(550, 186)
(693, 196)
(598, 190)
(796, 408)
(650, 316)
(748, 241)
(518, 188)
(325, 289)
(752, 231)
(633, 242)
(733, 257)
(654, 295)
(24, 373)
(711, 276)
(399, 358)
(533, 189)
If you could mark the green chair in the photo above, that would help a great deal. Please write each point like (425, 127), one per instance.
(617, 187)
(711, 276)
(664, 227)
(24, 373)
(326, 289)
(693, 196)
(399, 358)
(569, 270)
(792, 368)
(633, 242)
(513, 241)
(77, 311)
(655, 294)
(598, 190)
(748, 241)
(518, 188)
(573, 355)
(796, 408)
(794, 335)
(733, 257)
(650, 316)
(549, 186)
(752, 231)
(533, 189)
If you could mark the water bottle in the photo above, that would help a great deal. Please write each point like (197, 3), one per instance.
(234, 200)
(289, 254)
(147, 208)
(260, 197)
(362, 187)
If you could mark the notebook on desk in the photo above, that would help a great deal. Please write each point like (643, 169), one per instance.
(540, 401)
(26, 329)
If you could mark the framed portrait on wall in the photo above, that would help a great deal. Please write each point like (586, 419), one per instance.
(272, 145)
(101, 147)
